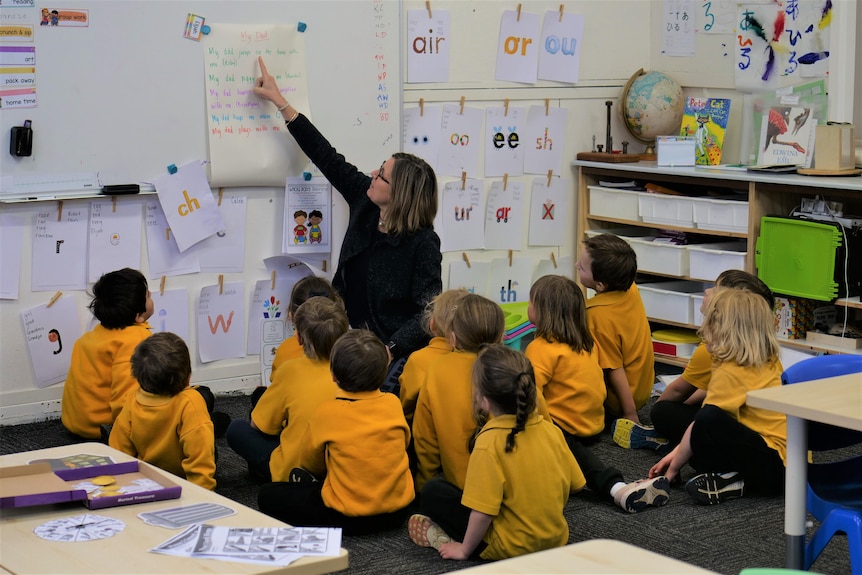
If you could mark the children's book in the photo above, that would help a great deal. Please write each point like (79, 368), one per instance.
(706, 120)
(787, 136)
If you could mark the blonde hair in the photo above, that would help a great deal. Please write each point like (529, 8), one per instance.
(560, 312)
(477, 320)
(440, 310)
(413, 195)
(738, 326)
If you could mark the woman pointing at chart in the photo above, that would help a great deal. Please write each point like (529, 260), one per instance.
(390, 261)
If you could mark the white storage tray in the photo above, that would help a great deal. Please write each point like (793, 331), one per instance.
(721, 215)
(706, 261)
(613, 203)
(660, 257)
(666, 209)
(670, 301)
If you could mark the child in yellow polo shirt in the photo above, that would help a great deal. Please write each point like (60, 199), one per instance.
(519, 477)
(165, 422)
(100, 376)
(357, 443)
(270, 440)
(735, 448)
(618, 323)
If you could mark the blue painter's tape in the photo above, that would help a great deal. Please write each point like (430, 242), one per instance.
(301, 26)
(205, 29)
(306, 176)
(172, 169)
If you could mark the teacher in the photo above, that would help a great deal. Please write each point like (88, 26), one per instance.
(390, 262)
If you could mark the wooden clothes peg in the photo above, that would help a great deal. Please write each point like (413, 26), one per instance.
(428, 7)
(462, 105)
(54, 298)
(273, 280)
(519, 12)
(421, 106)
(162, 285)
(466, 259)
(562, 9)
(220, 284)
(554, 260)
(463, 180)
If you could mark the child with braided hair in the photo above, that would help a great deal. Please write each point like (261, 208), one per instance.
(519, 475)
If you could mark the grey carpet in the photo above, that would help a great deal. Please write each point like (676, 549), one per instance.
(725, 538)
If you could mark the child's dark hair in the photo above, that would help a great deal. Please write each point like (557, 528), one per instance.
(506, 378)
(308, 287)
(477, 320)
(614, 261)
(743, 280)
(161, 364)
(359, 361)
(118, 298)
(560, 312)
(319, 323)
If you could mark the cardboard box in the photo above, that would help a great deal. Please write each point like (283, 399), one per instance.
(850, 343)
(36, 484)
(834, 147)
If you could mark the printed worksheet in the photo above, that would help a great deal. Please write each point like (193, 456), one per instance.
(59, 249)
(50, 332)
(115, 237)
(12, 239)
(549, 212)
(221, 321)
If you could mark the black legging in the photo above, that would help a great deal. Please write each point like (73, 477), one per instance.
(672, 418)
(719, 443)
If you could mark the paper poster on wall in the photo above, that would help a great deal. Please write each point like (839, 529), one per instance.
(778, 44)
(560, 47)
(221, 322)
(12, 240)
(504, 149)
(461, 216)
(307, 216)
(171, 312)
(460, 141)
(677, 28)
(224, 251)
(50, 333)
(518, 47)
(164, 256)
(549, 212)
(557, 266)
(472, 277)
(504, 216)
(421, 136)
(267, 302)
(115, 237)
(18, 70)
(717, 17)
(59, 253)
(427, 46)
(247, 140)
(545, 138)
(188, 204)
(510, 283)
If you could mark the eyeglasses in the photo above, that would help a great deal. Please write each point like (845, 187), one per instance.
(380, 173)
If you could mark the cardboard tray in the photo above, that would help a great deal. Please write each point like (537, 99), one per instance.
(36, 484)
(834, 340)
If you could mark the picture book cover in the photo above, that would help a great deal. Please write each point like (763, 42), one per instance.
(706, 120)
(787, 136)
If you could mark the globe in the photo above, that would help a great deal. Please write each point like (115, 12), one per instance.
(652, 105)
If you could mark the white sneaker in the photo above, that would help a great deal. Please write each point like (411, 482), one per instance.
(638, 495)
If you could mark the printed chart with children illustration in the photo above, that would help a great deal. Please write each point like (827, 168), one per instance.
(307, 216)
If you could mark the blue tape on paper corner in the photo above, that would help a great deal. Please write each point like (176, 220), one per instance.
(205, 29)
(172, 169)
(301, 26)
(306, 176)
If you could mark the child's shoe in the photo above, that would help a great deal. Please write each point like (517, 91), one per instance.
(638, 495)
(221, 421)
(713, 488)
(425, 533)
(300, 475)
(631, 435)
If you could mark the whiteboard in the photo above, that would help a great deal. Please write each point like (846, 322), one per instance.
(124, 96)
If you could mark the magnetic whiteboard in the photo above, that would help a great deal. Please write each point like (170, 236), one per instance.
(124, 97)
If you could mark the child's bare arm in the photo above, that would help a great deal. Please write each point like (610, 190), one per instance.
(619, 386)
(477, 526)
(678, 390)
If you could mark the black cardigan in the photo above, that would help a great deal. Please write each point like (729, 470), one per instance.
(404, 270)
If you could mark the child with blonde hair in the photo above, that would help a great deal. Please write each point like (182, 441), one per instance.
(437, 319)
(356, 443)
(735, 448)
(270, 441)
(568, 375)
(443, 422)
(519, 477)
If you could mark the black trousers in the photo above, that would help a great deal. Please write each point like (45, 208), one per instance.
(672, 418)
(301, 505)
(600, 478)
(441, 501)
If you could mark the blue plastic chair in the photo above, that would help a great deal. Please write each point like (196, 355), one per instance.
(834, 489)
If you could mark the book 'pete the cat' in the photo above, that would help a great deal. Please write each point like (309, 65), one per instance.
(706, 120)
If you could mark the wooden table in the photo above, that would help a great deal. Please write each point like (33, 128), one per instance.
(834, 400)
(22, 551)
(594, 556)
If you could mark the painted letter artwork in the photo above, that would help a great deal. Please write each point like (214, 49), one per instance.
(781, 43)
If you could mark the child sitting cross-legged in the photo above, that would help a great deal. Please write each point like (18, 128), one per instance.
(166, 422)
(353, 471)
(519, 476)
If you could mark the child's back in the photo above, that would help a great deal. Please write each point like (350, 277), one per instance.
(300, 385)
(165, 422)
(618, 323)
(439, 318)
(443, 422)
(99, 375)
(565, 358)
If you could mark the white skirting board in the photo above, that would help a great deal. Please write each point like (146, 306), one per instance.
(45, 406)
